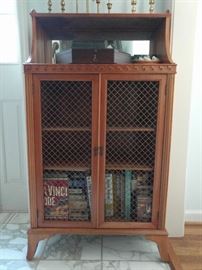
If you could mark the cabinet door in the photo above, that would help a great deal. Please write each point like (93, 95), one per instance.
(65, 117)
(132, 138)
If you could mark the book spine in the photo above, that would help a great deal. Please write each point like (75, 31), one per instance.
(89, 190)
(128, 177)
(108, 195)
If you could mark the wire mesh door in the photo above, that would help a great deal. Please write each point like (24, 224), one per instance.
(67, 124)
(132, 141)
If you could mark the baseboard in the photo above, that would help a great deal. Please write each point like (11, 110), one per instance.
(193, 216)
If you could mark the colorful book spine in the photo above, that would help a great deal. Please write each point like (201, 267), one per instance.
(89, 190)
(109, 211)
(56, 198)
(78, 199)
(128, 177)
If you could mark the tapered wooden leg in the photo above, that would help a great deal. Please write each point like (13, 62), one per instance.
(166, 250)
(162, 242)
(33, 240)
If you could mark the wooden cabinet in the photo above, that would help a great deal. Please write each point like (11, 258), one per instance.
(99, 134)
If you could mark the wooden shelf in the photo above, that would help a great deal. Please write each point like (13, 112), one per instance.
(129, 129)
(127, 166)
(52, 129)
(67, 167)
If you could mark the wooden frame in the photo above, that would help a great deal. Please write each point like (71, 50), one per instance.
(158, 152)
(38, 147)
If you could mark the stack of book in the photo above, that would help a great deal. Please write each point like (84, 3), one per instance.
(79, 209)
(67, 196)
(128, 196)
(143, 198)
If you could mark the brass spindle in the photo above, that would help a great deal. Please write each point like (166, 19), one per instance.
(62, 3)
(87, 6)
(98, 6)
(109, 6)
(77, 6)
(49, 5)
(133, 4)
(151, 5)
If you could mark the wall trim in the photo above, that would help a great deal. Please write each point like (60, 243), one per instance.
(193, 215)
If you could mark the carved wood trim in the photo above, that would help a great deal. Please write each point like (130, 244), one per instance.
(101, 68)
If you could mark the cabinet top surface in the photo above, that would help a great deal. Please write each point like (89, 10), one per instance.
(138, 21)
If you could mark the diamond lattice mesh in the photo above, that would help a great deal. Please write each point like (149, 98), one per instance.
(130, 150)
(62, 148)
(132, 103)
(66, 147)
(66, 103)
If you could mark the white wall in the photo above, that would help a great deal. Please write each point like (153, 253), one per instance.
(193, 203)
(183, 55)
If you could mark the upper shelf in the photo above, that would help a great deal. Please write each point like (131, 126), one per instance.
(47, 27)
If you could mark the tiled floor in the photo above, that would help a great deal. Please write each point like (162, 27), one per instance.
(70, 252)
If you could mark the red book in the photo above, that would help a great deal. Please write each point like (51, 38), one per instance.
(56, 198)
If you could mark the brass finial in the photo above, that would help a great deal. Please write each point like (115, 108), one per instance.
(109, 6)
(133, 4)
(98, 6)
(151, 5)
(49, 5)
(62, 3)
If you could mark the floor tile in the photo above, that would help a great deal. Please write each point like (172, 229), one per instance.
(20, 218)
(17, 265)
(74, 247)
(131, 265)
(13, 242)
(129, 248)
(69, 265)
(5, 217)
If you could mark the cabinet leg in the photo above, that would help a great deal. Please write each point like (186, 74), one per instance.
(166, 251)
(33, 240)
(162, 242)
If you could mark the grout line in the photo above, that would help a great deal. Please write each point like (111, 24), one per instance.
(37, 264)
(10, 217)
(69, 260)
(101, 248)
(101, 252)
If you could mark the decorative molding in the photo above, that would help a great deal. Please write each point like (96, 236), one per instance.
(101, 68)
(193, 215)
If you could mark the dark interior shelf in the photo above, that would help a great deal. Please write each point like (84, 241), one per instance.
(66, 129)
(67, 167)
(129, 129)
(128, 166)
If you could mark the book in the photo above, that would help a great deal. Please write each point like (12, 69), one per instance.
(141, 192)
(144, 208)
(89, 190)
(78, 204)
(56, 198)
(128, 178)
(118, 194)
(78, 199)
(108, 195)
